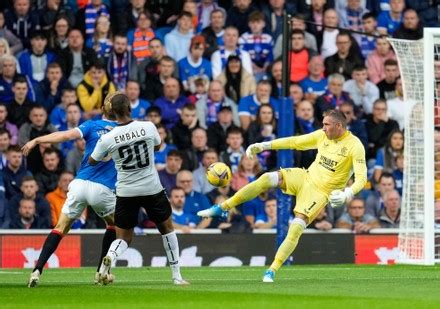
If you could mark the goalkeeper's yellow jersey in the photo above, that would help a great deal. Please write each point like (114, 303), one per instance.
(335, 162)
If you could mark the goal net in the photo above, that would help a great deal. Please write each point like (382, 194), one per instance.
(418, 242)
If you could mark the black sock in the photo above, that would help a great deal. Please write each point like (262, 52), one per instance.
(109, 237)
(49, 247)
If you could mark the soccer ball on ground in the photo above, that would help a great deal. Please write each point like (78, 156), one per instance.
(218, 174)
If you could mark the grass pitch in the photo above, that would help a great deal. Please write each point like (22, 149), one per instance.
(340, 286)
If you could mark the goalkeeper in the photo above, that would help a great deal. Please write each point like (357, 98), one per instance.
(340, 154)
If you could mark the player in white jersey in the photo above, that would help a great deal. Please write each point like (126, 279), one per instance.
(131, 144)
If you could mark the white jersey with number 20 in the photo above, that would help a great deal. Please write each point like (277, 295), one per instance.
(132, 149)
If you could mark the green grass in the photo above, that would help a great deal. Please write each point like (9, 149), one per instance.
(340, 286)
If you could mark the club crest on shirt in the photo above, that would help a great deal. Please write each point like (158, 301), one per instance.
(343, 152)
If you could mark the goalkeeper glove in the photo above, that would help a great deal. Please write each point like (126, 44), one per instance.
(338, 198)
(257, 148)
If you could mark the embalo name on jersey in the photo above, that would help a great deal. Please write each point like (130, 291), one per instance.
(130, 135)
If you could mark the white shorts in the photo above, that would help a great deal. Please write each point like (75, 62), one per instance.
(83, 193)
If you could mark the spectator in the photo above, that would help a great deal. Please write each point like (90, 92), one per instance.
(19, 108)
(101, 41)
(140, 37)
(299, 56)
(374, 200)
(235, 151)
(389, 216)
(168, 174)
(205, 9)
(37, 126)
(181, 219)
(315, 84)
(58, 34)
(345, 59)
(356, 219)
(76, 59)
(139, 106)
(171, 103)
(182, 130)
(268, 220)
(411, 28)
(13, 41)
(379, 126)
(263, 129)
(87, 16)
(22, 20)
(296, 93)
(58, 115)
(245, 172)
(389, 21)
(273, 12)
(190, 6)
(149, 67)
(376, 60)
(192, 157)
(387, 86)
(48, 178)
(6, 125)
(29, 190)
(5, 217)
(129, 15)
(5, 142)
(238, 15)
(4, 47)
(8, 69)
(58, 196)
(208, 107)
(194, 66)
(164, 148)
(398, 173)
(361, 91)
(73, 118)
(327, 37)
(28, 218)
(93, 89)
(427, 11)
(248, 106)
(33, 61)
(355, 125)
(217, 130)
(122, 64)
(214, 32)
(48, 91)
(194, 201)
(325, 220)
(386, 156)
(200, 182)
(51, 11)
(276, 71)
(368, 41)
(315, 16)
(305, 123)
(177, 42)
(154, 85)
(259, 45)
(351, 17)
(396, 105)
(14, 171)
(333, 97)
(75, 156)
(297, 22)
(154, 115)
(220, 58)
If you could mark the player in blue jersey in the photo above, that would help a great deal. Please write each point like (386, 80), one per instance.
(93, 185)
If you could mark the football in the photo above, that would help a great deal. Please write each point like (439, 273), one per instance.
(218, 174)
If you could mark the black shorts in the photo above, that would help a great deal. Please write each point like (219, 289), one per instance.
(157, 206)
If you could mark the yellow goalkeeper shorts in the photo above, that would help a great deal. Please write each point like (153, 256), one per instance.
(309, 199)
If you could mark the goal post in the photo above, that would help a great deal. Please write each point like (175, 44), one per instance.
(417, 239)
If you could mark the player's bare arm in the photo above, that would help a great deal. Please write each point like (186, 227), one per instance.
(53, 138)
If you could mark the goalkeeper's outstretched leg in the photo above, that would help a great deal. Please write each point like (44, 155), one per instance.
(264, 183)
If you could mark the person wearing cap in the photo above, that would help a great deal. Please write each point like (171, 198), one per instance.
(94, 88)
(194, 66)
(217, 130)
(33, 62)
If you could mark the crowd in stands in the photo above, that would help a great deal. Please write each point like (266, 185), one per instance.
(208, 74)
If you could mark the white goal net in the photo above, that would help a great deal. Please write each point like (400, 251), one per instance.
(418, 242)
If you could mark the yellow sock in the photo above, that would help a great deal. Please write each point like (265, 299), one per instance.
(289, 244)
(251, 190)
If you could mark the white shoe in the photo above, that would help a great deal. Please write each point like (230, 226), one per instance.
(110, 278)
(34, 279)
(180, 281)
(105, 277)
(269, 276)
